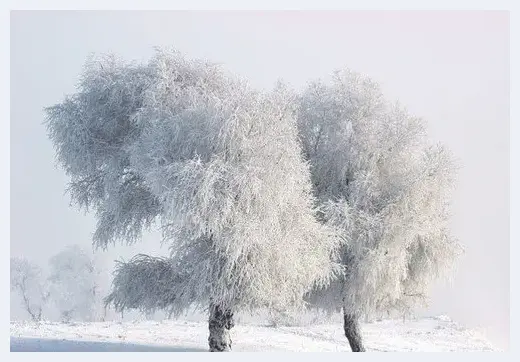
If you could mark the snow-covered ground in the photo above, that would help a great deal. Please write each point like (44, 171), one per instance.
(428, 334)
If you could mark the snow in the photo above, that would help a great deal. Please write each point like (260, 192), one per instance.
(427, 335)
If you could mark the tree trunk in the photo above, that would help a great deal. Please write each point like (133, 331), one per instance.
(220, 323)
(353, 332)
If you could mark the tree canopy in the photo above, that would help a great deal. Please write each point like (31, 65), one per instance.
(184, 145)
(386, 189)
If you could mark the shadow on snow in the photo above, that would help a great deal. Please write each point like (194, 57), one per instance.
(24, 344)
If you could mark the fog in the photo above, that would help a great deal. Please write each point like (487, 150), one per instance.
(451, 68)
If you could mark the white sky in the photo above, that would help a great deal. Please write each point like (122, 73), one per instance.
(451, 68)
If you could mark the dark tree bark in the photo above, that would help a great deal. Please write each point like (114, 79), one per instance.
(353, 332)
(220, 323)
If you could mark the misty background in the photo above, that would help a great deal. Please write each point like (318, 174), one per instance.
(450, 68)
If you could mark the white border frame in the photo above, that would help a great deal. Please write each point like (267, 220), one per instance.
(511, 6)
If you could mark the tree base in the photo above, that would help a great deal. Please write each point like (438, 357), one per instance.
(220, 324)
(353, 332)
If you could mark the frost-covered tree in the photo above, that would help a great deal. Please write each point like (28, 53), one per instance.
(27, 280)
(215, 163)
(378, 180)
(72, 284)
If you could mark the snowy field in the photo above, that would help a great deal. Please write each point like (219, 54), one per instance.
(429, 334)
